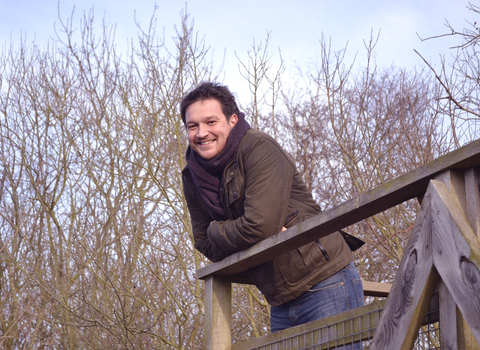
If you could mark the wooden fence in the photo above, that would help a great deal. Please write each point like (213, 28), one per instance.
(443, 254)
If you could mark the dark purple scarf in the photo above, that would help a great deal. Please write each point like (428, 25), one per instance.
(207, 173)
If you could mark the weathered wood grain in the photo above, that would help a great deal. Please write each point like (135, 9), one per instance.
(454, 181)
(405, 187)
(456, 254)
(217, 321)
(412, 289)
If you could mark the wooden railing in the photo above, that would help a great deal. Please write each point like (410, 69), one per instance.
(448, 189)
(357, 325)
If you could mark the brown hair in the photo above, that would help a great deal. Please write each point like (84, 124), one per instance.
(210, 90)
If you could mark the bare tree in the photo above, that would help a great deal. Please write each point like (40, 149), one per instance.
(96, 244)
(352, 131)
(459, 77)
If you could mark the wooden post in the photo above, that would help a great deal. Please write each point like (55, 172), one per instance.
(472, 212)
(463, 187)
(448, 318)
(472, 190)
(412, 289)
(217, 323)
(456, 257)
(448, 309)
(442, 243)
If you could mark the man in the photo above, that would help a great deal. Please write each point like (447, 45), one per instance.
(242, 187)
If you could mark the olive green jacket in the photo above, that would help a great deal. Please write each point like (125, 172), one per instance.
(261, 192)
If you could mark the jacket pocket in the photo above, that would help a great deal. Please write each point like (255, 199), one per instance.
(292, 267)
(234, 193)
(294, 218)
(299, 263)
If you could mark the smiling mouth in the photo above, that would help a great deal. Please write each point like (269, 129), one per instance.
(206, 142)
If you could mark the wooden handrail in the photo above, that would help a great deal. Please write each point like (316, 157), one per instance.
(383, 197)
(459, 171)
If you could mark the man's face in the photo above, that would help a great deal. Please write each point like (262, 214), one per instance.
(207, 127)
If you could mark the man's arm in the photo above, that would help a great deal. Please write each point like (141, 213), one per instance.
(268, 182)
(200, 221)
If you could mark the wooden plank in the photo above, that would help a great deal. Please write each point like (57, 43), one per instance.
(412, 289)
(217, 321)
(472, 190)
(452, 330)
(375, 289)
(456, 256)
(405, 187)
(448, 318)
(370, 289)
(472, 212)
(466, 339)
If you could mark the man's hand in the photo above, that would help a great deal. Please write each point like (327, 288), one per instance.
(284, 228)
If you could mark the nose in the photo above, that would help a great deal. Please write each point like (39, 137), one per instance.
(202, 132)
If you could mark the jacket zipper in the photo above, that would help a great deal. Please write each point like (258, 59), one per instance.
(291, 216)
(322, 249)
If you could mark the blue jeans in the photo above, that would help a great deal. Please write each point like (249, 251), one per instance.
(339, 292)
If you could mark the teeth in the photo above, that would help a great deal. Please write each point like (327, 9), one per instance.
(206, 142)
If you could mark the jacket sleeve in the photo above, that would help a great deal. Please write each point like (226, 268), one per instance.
(200, 221)
(268, 182)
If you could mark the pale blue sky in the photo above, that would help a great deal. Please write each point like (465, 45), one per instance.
(295, 26)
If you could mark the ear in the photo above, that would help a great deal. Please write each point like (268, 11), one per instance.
(233, 120)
